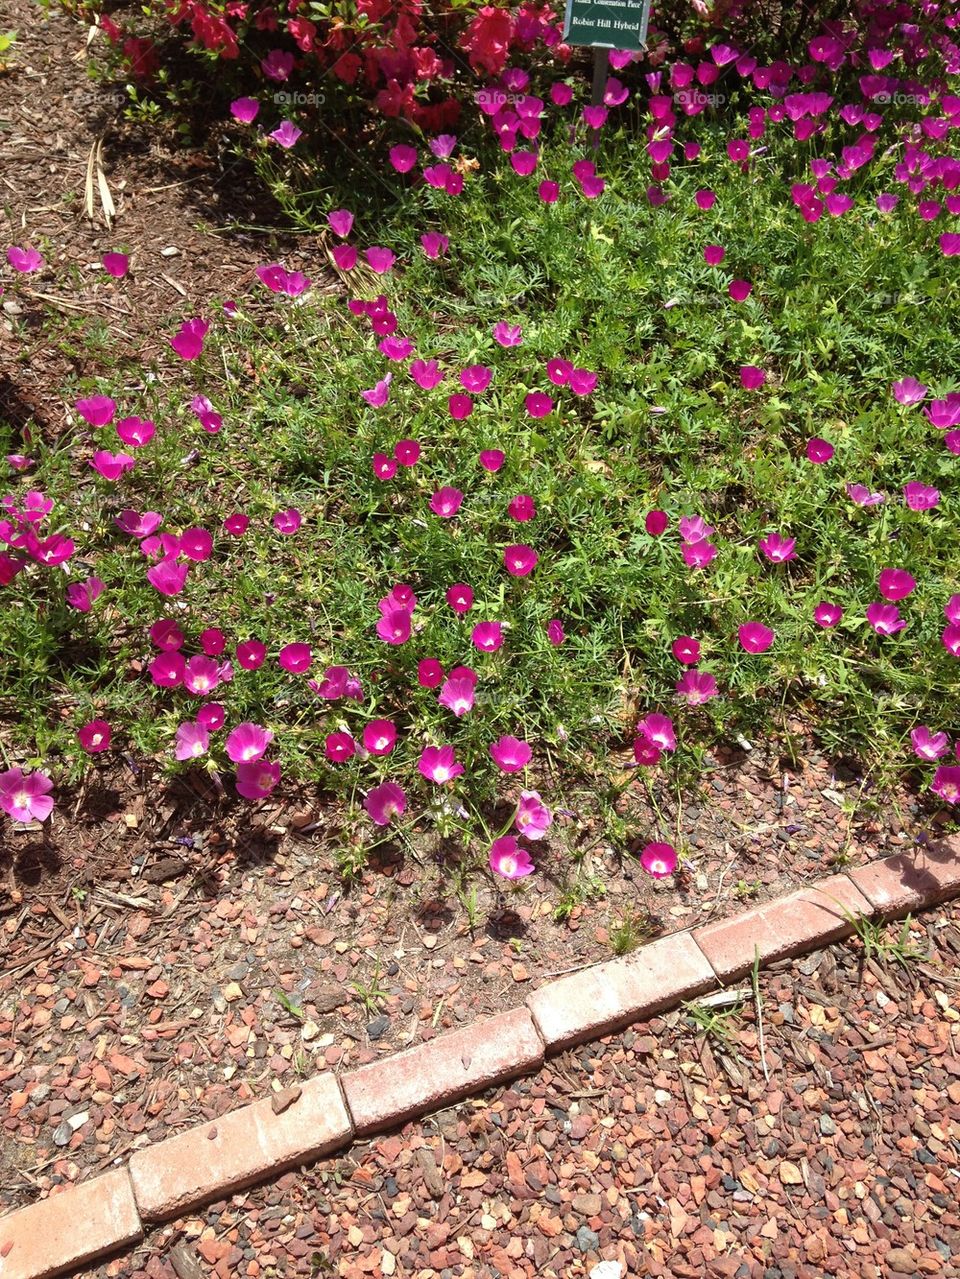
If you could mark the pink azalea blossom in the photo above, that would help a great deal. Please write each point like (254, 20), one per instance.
(192, 741)
(885, 618)
(778, 549)
(510, 754)
(945, 784)
(659, 860)
(659, 730)
(895, 584)
(509, 861)
(696, 687)
(927, 745)
(25, 797)
(438, 764)
(755, 637)
(533, 818)
(257, 778)
(95, 736)
(446, 502)
(827, 615)
(519, 560)
(247, 742)
(385, 802)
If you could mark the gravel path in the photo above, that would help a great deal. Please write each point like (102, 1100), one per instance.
(663, 1149)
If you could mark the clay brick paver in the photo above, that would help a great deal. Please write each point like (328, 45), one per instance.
(784, 927)
(610, 996)
(442, 1070)
(238, 1149)
(62, 1233)
(899, 884)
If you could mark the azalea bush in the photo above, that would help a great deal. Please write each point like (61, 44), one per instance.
(597, 454)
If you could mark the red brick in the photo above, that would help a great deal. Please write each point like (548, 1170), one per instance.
(247, 1145)
(910, 881)
(448, 1068)
(610, 996)
(67, 1230)
(788, 926)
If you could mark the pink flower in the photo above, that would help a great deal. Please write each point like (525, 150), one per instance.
(251, 654)
(446, 502)
(112, 465)
(819, 451)
(429, 673)
(778, 549)
(492, 459)
(659, 860)
(862, 496)
(548, 191)
(460, 597)
(895, 584)
(507, 334)
(394, 348)
(908, 391)
(167, 668)
(928, 746)
(337, 682)
(751, 377)
(81, 595)
(344, 256)
(696, 687)
(394, 626)
(951, 610)
(384, 802)
(341, 222)
(659, 730)
(459, 406)
(426, 373)
(510, 754)
(511, 862)
(885, 618)
(407, 452)
(257, 778)
(950, 638)
(193, 740)
(201, 675)
(698, 554)
(135, 432)
(740, 290)
(522, 508)
(656, 523)
(538, 404)
(379, 736)
(555, 632)
(705, 200)
(213, 641)
(434, 244)
(476, 378)
(168, 577)
(247, 742)
(920, 497)
(713, 254)
(694, 529)
(437, 764)
(196, 544)
(24, 260)
(166, 635)
(533, 818)
(519, 560)
(339, 747)
(827, 615)
(402, 157)
(384, 468)
(244, 109)
(97, 410)
(286, 134)
(287, 522)
(457, 694)
(211, 716)
(379, 259)
(94, 736)
(945, 784)
(295, 658)
(487, 636)
(686, 650)
(378, 395)
(26, 797)
(755, 637)
(187, 342)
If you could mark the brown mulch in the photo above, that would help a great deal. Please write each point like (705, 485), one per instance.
(660, 1148)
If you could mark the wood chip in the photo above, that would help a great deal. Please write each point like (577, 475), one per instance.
(283, 1100)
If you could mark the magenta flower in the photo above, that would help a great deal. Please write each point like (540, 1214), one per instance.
(457, 694)
(81, 595)
(337, 683)
(287, 522)
(713, 254)
(167, 668)
(950, 638)
(26, 797)
(244, 109)
(446, 502)
(538, 404)
(659, 860)
(429, 673)
(927, 745)
(951, 610)
(166, 635)
(696, 687)
(193, 740)
(522, 508)
(945, 784)
(434, 244)
(379, 736)
(895, 584)
(555, 632)
(751, 377)
(196, 544)
(827, 615)
(407, 452)
(510, 861)
(656, 523)
(558, 371)
(135, 432)
(251, 654)
(459, 406)
(201, 675)
(693, 529)
(438, 764)
(97, 410)
(403, 157)
(257, 778)
(426, 373)
(379, 259)
(460, 597)
(755, 637)
(286, 134)
(384, 468)
(645, 752)
(819, 450)
(341, 222)
(384, 802)
(908, 391)
(885, 618)
(510, 754)
(862, 496)
(339, 747)
(487, 636)
(705, 199)
(187, 342)
(168, 577)
(211, 716)
(24, 260)
(548, 191)
(698, 554)
(507, 334)
(492, 459)
(740, 290)
(686, 650)
(295, 658)
(519, 560)
(395, 626)
(213, 641)
(378, 395)
(583, 382)
(247, 742)
(394, 348)
(476, 378)
(112, 465)
(659, 730)
(533, 818)
(95, 736)
(778, 549)
(920, 497)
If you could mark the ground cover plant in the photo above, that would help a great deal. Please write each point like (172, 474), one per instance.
(590, 429)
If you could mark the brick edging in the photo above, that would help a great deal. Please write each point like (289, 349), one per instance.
(95, 1218)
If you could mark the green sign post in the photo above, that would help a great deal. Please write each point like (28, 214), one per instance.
(607, 24)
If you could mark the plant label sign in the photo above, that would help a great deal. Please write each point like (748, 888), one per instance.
(607, 24)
